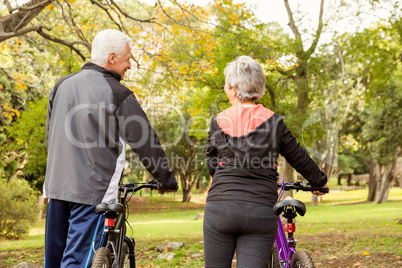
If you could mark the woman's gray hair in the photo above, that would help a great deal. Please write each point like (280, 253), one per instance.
(106, 42)
(246, 75)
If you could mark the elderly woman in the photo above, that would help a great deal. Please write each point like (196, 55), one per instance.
(244, 144)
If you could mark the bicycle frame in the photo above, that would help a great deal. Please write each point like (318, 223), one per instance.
(114, 238)
(286, 246)
(115, 234)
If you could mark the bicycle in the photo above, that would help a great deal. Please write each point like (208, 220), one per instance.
(284, 253)
(116, 249)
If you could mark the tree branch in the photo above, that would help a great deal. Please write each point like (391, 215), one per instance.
(318, 32)
(287, 74)
(128, 16)
(105, 8)
(292, 23)
(69, 44)
(75, 27)
(11, 24)
(26, 7)
(5, 36)
(242, 36)
(6, 73)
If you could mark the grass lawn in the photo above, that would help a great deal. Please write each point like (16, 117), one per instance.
(343, 231)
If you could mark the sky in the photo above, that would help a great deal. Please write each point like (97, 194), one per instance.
(274, 10)
(266, 10)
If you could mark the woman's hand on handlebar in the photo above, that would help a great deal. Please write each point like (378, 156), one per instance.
(320, 193)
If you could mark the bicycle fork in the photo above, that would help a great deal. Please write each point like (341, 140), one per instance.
(130, 242)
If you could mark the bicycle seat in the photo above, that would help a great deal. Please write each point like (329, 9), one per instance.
(290, 202)
(114, 207)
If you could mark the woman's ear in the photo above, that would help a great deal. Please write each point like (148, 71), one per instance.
(234, 91)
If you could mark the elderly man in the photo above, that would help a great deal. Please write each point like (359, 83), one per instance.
(91, 117)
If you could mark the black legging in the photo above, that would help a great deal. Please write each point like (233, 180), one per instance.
(246, 227)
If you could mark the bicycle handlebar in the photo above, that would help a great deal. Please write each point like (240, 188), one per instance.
(301, 185)
(135, 186)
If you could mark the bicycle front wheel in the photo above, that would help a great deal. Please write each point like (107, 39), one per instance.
(302, 259)
(124, 262)
(102, 258)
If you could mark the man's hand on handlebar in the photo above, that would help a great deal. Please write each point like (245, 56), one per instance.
(166, 191)
(320, 193)
(163, 190)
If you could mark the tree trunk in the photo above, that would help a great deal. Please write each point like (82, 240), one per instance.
(382, 186)
(41, 202)
(186, 196)
(377, 181)
(208, 186)
(314, 200)
(13, 24)
(349, 179)
(287, 173)
(188, 182)
(372, 182)
(387, 177)
(339, 179)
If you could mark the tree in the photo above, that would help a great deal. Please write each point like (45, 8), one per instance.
(18, 208)
(381, 130)
(372, 114)
(182, 129)
(28, 140)
(15, 23)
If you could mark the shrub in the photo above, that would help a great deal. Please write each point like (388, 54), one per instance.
(18, 208)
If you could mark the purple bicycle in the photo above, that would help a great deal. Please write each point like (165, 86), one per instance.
(284, 254)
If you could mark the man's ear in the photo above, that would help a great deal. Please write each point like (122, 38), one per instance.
(112, 58)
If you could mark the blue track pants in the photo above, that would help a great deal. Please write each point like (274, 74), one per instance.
(71, 230)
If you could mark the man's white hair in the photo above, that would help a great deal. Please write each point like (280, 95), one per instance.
(106, 42)
(246, 75)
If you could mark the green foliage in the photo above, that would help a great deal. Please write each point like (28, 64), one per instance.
(18, 208)
(28, 137)
(383, 123)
